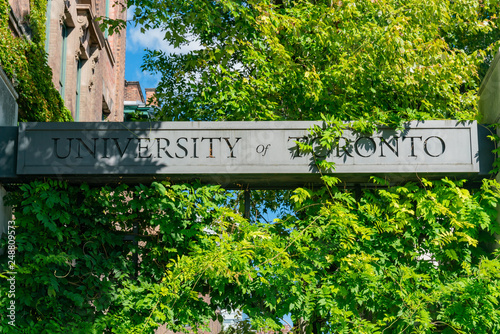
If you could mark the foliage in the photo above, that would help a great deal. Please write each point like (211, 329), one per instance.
(388, 259)
(241, 327)
(25, 62)
(396, 259)
(496, 139)
(381, 61)
(76, 256)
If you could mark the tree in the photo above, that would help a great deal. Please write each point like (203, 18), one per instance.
(385, 259)
(380, 61)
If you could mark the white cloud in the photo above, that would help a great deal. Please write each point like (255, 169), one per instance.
(151, 39)
(154, 39)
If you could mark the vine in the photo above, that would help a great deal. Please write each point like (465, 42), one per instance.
(25, 63)
(77, 266)
(495, 138)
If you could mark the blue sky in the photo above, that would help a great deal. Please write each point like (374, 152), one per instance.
(137, 42)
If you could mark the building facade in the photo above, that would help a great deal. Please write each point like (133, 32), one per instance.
(136, 106)
(87, 62)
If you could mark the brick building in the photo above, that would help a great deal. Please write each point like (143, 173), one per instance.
(88, 64)
(133, 92)
(136, 106)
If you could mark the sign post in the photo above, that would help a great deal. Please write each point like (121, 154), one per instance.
(259, 155)
(489, 102)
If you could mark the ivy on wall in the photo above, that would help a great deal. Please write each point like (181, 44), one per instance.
(93, 259)
(25, 62)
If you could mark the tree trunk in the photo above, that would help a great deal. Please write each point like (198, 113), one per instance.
(302, 326)
(308, 327)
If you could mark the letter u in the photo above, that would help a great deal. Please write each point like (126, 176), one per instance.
(55, 148)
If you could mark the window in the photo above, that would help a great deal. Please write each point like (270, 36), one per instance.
(107, 16)
(47, 26)
(62, 77)
(79, 66)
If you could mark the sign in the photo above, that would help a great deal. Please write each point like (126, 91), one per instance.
(255, 154)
